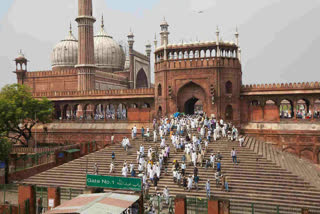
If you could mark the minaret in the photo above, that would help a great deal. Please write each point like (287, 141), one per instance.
(131, 42)
(164, 32)
(148, 49)
(86, 65)
(155, 41)
(237, 43)
(218, 49)
(164, 36)
(21, 67)
(237, 36)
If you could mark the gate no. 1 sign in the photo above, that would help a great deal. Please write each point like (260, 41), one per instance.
(113, 182)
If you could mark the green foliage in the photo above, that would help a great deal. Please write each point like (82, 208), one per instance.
(5, 148)
(19, 112)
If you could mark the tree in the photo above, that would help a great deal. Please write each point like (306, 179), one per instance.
(5, 149)
(20, 112)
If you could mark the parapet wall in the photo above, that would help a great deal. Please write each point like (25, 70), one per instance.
(115, 92)
(197, 63)
(281, 86)
(62, 72)
(300, 139)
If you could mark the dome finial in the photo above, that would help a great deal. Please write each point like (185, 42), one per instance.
(70, 29)
(102, 22)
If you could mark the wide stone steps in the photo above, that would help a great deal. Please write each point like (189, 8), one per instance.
(262, 181)
(301, 167)
(284, 184)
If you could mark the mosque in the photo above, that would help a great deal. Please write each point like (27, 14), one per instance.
(96, 82)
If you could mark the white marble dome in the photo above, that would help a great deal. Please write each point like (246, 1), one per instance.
(108, 53)
(65, 53)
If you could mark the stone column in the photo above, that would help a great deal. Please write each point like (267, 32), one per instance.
(53, 197)
(262, 107)
(181, 205)
(311, 108)
(26, 192)
(61, 114)
(294, 108)
(213, 206)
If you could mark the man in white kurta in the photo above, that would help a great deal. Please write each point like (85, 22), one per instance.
(124, 171)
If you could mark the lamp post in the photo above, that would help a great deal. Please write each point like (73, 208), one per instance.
(35, 133)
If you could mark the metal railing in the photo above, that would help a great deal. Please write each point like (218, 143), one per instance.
(28, 161)
(270, 209)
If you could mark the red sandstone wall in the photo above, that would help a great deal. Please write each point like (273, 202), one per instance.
(305, 144)
(244, 111)
(6, 209)
(271, 113)
(256, 113)
(20, 175)
(60, 80)
(142, 115)
(204, 73)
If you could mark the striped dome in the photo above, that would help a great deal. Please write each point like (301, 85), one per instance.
(65, 53)
(108, 53)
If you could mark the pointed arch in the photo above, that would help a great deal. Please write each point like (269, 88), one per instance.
(188, 95)
(142, 79)
(159, 90)
(229, 87)
(229, 112)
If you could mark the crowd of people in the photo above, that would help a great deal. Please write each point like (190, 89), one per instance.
(300, 114)
(189, 134)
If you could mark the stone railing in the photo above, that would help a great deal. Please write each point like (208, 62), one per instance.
(52, 73)
(27, 150)
(115, 92)
(197, 63)
(281, 86)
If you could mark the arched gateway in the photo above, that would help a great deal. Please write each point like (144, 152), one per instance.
(188, 96)
(142, 79)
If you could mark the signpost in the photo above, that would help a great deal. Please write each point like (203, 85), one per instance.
(112, 182)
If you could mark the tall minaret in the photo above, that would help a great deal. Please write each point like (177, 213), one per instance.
(131, 55)
(236, 34)
(155, 41)
(217, 42)
(86, 65)
(164, 36)
(164, 32)
(237, 43)
(148, 49)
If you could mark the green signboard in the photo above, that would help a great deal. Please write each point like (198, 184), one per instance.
(114, 182)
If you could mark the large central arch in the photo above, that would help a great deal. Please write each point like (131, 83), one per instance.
(187, 97)
(142, 79)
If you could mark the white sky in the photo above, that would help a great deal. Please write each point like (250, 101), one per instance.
(280, 39)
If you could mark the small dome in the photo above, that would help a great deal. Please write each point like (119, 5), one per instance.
(65, 53)
(107, 52)
(164, 22)
(21, 57)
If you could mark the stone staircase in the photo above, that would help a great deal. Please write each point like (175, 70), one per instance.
(298, 166)
(257, 179)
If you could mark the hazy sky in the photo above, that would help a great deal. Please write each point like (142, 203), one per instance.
(280, 39)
